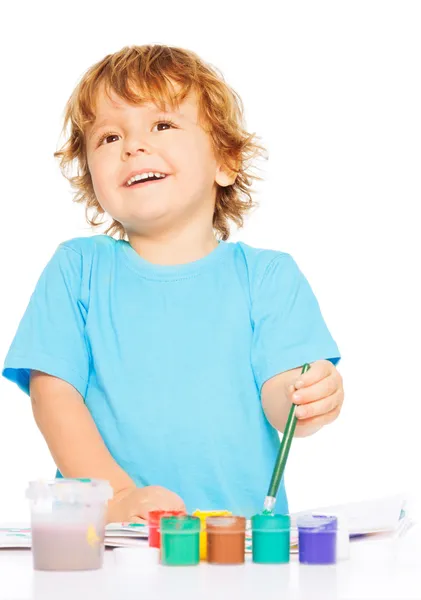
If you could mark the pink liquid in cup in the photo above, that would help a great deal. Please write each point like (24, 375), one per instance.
(58, 547)
(68, 524)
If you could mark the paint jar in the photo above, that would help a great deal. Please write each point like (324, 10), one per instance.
(317, 539)
(154, 518)
(203, 515)
(68, 523)
(226, 538)
(270, 538)
(180, 541)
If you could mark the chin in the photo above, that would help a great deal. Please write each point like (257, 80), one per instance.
(146, 221)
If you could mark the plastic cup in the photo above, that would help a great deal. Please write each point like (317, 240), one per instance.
(317, 539)
(226, 538)
(270, 538)
(68, 523)
(203, 515)
(180, 541)
(154, 518)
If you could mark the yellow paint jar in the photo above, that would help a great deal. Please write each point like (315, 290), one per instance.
(203, 514)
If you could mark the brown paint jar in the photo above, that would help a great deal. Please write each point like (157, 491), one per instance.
(226, 539)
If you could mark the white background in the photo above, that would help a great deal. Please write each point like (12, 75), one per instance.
(333, 90)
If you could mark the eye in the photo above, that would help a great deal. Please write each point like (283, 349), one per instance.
(105, 136)
(169, 123)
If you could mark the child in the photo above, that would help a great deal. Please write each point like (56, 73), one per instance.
(164, 359)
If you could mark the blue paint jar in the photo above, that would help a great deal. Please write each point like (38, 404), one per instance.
(317, 536)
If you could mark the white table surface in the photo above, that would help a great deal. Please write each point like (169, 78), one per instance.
(387, 570)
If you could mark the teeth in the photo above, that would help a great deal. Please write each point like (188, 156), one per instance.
(143, 176)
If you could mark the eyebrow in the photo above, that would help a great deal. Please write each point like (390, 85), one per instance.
(155, 110)
(96, 127)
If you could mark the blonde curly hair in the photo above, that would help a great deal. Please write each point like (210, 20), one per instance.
(142, 73)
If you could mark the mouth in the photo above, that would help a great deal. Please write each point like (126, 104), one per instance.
(145, 182)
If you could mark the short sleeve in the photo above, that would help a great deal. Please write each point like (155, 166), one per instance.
(288, 327)
(51, 334)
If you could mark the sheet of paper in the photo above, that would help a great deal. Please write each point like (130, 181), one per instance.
(369, 516)
(15, 535)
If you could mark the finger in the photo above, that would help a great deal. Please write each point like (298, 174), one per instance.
(168, 503)
(316, 423)
(324, 388)
(144, 507)
(136, 519)
(319, 370)
(319, 407)
(172, 506)
(170, 500)
(180, 504)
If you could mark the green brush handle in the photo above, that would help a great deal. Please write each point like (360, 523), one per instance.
(281, 460)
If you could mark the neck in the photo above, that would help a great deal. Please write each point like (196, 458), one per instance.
(174, 248)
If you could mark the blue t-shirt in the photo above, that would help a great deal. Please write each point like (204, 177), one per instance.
(170, 360)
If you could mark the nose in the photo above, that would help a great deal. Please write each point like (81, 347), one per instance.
(133, 146)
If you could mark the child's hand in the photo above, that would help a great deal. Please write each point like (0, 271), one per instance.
(319, 395)
(133, 504)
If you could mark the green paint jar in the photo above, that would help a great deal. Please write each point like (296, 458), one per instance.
(180, 541)
(270, 538)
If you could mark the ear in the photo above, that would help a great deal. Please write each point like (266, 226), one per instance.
(224, 176)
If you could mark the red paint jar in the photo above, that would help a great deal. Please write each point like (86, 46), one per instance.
(154, 518)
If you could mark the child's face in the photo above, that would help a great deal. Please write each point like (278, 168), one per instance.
(137, 138)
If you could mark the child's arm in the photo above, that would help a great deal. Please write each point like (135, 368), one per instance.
(78, 449)
(71, 434)
(319, 397)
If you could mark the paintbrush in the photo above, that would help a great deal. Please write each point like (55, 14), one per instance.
(282, 457)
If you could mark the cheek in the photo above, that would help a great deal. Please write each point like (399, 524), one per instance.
(103, 186)
(195, 181)
(196, 164)
(103, 173)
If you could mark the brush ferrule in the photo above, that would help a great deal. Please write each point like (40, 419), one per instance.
(269, 504)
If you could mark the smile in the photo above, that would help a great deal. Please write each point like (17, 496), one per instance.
(145, 182)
